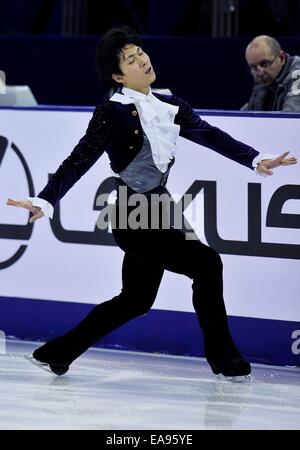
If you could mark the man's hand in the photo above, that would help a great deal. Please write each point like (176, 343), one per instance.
(265, 166)
(37, 213)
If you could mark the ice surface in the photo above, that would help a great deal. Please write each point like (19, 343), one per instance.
(119, 390)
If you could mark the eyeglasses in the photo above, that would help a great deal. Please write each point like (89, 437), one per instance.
(264, 64)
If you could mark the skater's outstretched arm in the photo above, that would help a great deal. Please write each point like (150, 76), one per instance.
(89, 149)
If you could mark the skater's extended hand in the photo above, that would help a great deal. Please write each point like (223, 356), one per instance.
(37, 213)
(265, 166)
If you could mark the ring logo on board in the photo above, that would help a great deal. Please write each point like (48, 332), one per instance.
(10, 231)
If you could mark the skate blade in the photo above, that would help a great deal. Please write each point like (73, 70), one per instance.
(40, 364)
(236, 379)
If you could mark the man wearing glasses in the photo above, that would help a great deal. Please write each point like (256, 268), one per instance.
(276, 77)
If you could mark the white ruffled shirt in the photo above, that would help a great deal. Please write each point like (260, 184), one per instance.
(157, 120)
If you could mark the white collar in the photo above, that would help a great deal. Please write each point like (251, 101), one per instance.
(148, 105)
(136, 94)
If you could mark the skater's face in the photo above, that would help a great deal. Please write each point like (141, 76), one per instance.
(137, 72)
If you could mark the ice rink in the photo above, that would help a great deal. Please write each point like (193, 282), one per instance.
(120, 390)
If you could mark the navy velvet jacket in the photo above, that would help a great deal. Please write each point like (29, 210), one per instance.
(116, 129)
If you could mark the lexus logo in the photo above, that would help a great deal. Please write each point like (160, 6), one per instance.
(22, 232)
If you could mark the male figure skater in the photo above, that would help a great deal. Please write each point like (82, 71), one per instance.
(139, 132)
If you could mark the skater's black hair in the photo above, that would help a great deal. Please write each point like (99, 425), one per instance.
(109, 51)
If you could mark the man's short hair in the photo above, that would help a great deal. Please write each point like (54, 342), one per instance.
(273, 44)
(109, 50)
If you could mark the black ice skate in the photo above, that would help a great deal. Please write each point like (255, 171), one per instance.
(56, 368)
(231, 366)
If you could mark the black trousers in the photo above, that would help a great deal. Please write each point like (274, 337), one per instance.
(148, 252)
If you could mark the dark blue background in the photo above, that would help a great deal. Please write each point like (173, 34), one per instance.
(208, 73)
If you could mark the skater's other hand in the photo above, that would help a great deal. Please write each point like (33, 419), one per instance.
(265, 166)
(36, 211)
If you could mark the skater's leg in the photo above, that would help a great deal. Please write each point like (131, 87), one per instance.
(141, 281)
(203, 265)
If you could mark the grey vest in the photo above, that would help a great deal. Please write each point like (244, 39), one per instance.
(141, 174)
